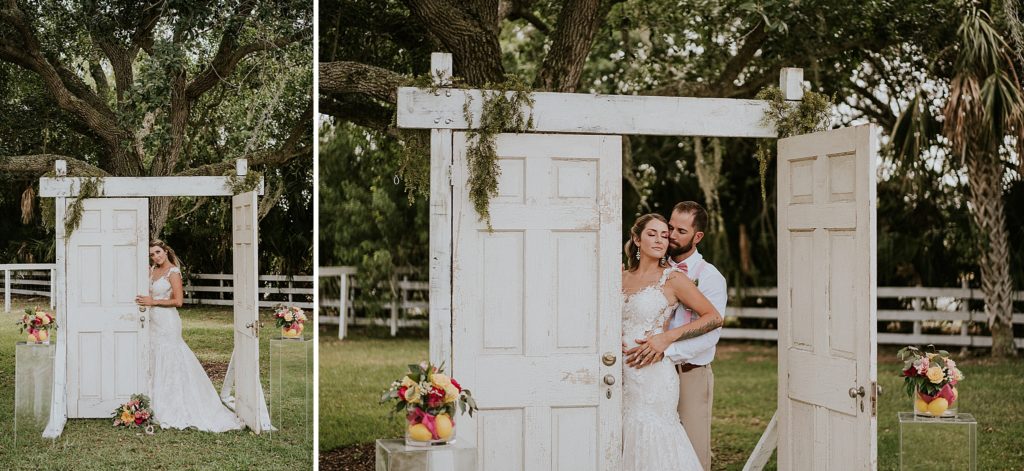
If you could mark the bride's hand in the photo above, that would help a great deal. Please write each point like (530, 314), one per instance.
(144, 300)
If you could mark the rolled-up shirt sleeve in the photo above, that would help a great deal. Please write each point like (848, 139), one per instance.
(712, 285)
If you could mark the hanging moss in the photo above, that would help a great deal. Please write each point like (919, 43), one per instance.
(507, 107)
(241, 184)
(810, 114)
(90, 189)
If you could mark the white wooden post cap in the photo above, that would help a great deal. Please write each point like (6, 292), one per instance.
(60, 167)
(791, 82)
(441, 68)
(241, 167)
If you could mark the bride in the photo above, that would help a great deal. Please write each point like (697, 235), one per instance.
(652, 435)
(181, 392)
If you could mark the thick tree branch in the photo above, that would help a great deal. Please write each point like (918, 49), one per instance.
(473, 42)
(40, 164)
(354, 77)
(572, 41)
(295, 145)
(359, 111)
(744, 55)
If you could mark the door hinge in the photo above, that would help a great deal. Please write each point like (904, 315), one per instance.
(874, 398)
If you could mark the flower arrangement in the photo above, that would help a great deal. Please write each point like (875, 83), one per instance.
(429, 399)
(930, 378)
(134, 413)
(38, 323)
(290, 320)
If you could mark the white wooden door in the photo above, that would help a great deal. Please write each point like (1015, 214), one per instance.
(827, 289)
(107, 333)
(536, 304)
(244, 253)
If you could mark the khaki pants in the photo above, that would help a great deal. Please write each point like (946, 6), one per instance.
(696, 390)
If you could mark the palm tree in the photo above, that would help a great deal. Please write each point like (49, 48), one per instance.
(983, 113)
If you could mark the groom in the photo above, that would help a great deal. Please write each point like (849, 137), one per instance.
(692, 356)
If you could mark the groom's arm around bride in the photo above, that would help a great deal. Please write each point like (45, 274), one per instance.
(692, 356)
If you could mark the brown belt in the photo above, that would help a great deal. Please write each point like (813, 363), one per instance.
(683, 368)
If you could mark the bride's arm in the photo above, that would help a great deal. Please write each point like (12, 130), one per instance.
(177, 293)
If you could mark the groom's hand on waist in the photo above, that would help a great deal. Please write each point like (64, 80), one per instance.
(646, 352)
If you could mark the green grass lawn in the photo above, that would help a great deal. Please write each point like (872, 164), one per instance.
(354, 371)
(95, 444)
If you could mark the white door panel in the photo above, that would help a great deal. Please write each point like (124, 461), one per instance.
(536, 303)
(107, 333)
(244, 253)
(827, 318)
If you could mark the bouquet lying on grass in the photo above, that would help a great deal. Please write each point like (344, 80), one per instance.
(38, 323)
(429, 398)
(930, 378)
(134, 413)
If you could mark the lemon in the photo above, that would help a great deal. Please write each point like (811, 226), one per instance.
(43, 335)
(31, 338)
(938, 406)
(419, 432)
(920, 405)
(445, 427)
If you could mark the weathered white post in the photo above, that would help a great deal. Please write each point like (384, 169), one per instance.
(791, 83)
(343, 313)
(7, 291)
(441, 223)
(53, 288)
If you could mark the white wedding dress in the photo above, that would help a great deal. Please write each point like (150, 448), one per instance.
(653, 439)
(182, 394)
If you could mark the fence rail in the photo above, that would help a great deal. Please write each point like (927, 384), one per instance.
(200, 288)
(942, 316)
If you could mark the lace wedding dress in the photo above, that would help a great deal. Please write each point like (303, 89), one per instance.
(182, 394)
(652, 437)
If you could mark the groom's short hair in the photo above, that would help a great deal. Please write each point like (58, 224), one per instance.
(700, 215)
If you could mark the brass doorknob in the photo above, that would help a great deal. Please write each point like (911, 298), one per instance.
(854, 392)
(608, 359)
(609, 380)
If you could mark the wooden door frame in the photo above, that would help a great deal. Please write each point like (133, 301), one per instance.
(61, 188)
(441, 110)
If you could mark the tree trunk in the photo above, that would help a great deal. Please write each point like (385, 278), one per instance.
(159, 208)
(573, 38)
(985, 174)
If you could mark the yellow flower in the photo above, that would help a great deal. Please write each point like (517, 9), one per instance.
(288, 317)
(935, 374)
(440, 380)
(408, 382)
(127, 417)
(451, 393)
(43, 320)
(412, 394)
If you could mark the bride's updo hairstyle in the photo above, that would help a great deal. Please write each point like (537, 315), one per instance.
(171, 257)
(632, 249)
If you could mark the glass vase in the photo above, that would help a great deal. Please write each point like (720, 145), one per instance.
(423, 429)
(927, 406)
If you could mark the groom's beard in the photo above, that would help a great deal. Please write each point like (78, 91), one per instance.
(677, 250)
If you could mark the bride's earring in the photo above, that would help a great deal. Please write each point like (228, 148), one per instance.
(638, 254)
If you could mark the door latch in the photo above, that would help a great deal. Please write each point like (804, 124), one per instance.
(142, 322)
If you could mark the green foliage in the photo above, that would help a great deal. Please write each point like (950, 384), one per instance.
(810, 114)
(90, 189)
(241, 184)
(507, 107)
(366, 218)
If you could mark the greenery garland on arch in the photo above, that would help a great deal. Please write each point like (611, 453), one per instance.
(810, 114)
(507, 107)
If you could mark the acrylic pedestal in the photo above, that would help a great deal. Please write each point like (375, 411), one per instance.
(291, 398)
(919, 436)
(33, 388)
(394, 455)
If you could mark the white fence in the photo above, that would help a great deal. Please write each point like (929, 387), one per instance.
(208, 289)
(941, 316)
(338, 293)
(30, 279)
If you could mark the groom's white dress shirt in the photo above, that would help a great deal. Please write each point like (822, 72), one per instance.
(699, 350)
